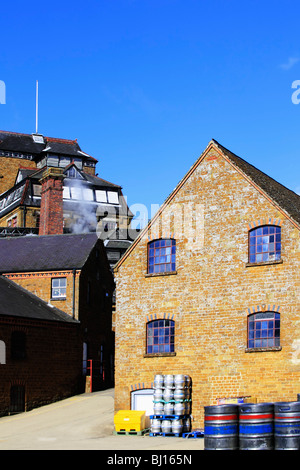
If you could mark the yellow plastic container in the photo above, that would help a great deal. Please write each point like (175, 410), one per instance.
(130, 420)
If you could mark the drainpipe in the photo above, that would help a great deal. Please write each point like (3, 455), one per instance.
(24, 216)
(73, 306)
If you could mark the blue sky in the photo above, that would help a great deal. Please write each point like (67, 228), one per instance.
(144, 85)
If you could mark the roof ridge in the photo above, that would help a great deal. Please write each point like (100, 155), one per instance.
(253, 166)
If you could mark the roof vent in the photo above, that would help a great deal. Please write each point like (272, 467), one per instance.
(38, 138)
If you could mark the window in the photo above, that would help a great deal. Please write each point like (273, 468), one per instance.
(264, 330)
(161, 256)
(76, 192)
(160, 336)
(113, 197)
(18, 345)
(37, 189)
(100, 195)
(59, 288)
(73, 173)
(265, 244)
(88, 194)
(66, 192)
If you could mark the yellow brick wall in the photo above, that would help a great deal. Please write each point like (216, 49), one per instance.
(209, 297)
(31, 217)
(40, 285)
(9, 168)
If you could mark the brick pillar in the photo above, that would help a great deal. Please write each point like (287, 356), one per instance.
(51, 215)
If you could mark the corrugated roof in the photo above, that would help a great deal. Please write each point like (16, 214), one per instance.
(45, 253)
(18, 302)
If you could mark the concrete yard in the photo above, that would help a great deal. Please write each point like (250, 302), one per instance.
(82, 422)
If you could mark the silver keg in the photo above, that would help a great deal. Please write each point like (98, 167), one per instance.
(179, 409)
(179, 394)
(166, 425)
(179, 381)
(186, 424)
(158, 394)
(168, 394)
(187, 380)
(169, 381)
(169, 409)
(187, 406)
(155, 425)
(177, 426)
(158, 381)
(158, 408)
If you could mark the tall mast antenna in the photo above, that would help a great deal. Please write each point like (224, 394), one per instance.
(36, 106)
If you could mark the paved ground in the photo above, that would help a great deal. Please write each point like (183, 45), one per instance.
(83, 422)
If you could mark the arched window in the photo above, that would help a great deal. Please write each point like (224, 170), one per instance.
(160, 336)
(264, 330)
(265, 244)
(162, 256)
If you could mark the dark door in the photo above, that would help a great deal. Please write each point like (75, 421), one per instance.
(17, 399)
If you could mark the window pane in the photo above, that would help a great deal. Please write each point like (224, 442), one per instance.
(263, 330)
(262, 244)
(159, 256)
(159, 338)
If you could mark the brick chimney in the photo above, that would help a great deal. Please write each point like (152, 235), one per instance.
(51, 215)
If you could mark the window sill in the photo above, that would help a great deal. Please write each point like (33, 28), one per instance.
(275, 348)
(264, 263)
(169, 273)
(58, 298)
(160, 354)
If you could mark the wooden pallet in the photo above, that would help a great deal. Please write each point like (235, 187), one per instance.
(132, 432)
(166, 434)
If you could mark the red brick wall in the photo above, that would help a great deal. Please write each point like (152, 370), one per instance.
(52, 369)
(51, 213)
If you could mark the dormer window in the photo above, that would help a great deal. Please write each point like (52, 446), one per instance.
(38, 138)
(73, 173)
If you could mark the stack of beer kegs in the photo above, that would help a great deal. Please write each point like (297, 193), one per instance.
(171, 404)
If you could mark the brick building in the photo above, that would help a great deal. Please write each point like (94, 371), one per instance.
(72, 273)
(36, 366)
(211, 289)
(35, 169)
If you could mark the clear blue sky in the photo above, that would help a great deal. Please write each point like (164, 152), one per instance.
(145, 84)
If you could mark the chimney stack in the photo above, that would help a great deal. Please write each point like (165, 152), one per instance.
(51, 215)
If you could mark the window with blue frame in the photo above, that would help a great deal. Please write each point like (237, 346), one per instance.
(265, 244)
(160, 336)
(162, 256)
(264, 330)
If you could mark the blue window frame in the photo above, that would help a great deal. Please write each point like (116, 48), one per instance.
(160, 336)
(264, 330)
(265, 244)
(162, 256)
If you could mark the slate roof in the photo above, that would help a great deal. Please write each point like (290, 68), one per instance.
(24, 143)
(45, 253)
(18, 302)
(288, 200)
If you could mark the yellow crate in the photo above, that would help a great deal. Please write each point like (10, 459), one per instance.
(130, 420)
